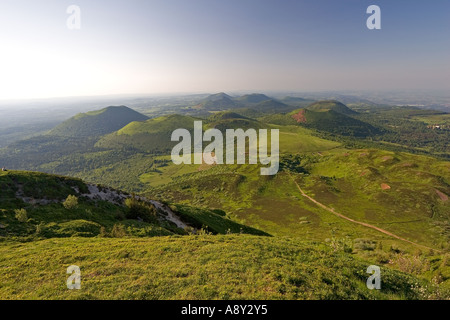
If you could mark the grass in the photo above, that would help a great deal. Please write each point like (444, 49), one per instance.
(347, 180)
(191, 267)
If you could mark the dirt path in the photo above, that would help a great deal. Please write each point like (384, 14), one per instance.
(171, 216)
(355, 221)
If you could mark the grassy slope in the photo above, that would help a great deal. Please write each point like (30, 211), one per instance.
(349, 181)
(191, 267)
(323, 106)
(52, 219)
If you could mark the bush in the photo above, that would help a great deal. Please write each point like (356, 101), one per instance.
(39, 228)
(73, 228)
(71, 202)
(103, 232)
(118, 231)
(365, 244)
(342, 244)
(411, 264)
(140, 209)
(21, 215)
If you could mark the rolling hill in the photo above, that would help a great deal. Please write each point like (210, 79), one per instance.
(153, 135)
(253, 98)
(97, 123)
(217, 102)
(330, 105)
(272, 106)
(326, 116)
(231, 120)
(296, 101)
(224, 115)
(334, 122)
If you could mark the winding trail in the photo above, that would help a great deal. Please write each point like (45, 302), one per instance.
(355, 221)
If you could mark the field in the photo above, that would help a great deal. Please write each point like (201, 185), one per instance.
(193, 267)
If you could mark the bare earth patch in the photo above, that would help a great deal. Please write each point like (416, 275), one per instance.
(300, 116)
(441, 195)
(385, 186)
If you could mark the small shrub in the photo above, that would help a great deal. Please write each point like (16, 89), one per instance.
(189, 230)
(411, 264)
(71, 202)
(39, 228)
(140, 209)
(365, 244)
(344, 244)
(382, 257)
(103, 232)
(118, 231)
(204, 231)
(21, 215)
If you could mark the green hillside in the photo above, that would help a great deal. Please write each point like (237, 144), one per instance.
(217, 102)
(296, 101)
(272, 106)
(153, 135)
(161, 124)
(253, 98)
(99, 211)
(224, 115)
(334, 122)
(327, 105)
(97, 123)
(236, 123)
(401, 193)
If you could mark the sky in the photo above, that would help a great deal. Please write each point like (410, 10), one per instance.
(200, 46)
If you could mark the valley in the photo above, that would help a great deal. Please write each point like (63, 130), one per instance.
(356, 186)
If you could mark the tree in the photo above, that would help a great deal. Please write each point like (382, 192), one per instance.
(21, 215)
(71, 202)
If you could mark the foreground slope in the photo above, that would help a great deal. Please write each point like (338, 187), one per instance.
(192, 267)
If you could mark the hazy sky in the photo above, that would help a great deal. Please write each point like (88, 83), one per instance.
(221, 45)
